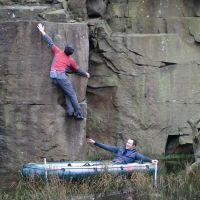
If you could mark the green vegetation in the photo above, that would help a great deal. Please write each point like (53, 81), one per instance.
(99, 156)
(177, 157)
(165, 157)
(170, 186)
(173, 183)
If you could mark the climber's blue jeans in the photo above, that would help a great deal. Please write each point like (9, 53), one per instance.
(62, 81)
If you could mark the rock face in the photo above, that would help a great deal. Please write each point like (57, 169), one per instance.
(33, 122)
(144, 64)
(96, 8)
(78, 8)
(196, 139)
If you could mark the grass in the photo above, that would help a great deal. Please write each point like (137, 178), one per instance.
(177, 157)
(172, 186)
(99, 156)
(165, 157)
(56, 189)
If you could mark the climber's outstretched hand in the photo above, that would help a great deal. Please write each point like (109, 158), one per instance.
(88, 75)
(41, 28)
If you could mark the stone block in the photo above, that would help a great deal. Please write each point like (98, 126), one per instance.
(117, 10)
(96, 8)
(33, 122)
(161, 47)
(78, 8)
(156, 91)
(161, 8)
(17, 12)
(56, 16)
(138, 25)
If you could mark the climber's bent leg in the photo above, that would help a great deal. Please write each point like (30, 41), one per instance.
(69, 107)
(64, 82)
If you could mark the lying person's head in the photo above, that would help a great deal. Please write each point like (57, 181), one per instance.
(69, 50)
(131, 144)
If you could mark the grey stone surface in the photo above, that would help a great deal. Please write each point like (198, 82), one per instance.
(78, 8)
(195, 139)
(21, 12)
(147, 16)
(144, 62)
(197, 8)
(153, 89)
(96, 8)
(33, 122)
(65, 5)
(151, 9)
(56, 16)
(166, 47)
(14, 2)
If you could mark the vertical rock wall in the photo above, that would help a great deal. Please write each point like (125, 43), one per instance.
(144, 62)
(33, 122)
(145, 66)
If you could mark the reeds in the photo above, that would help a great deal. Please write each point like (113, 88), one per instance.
(140, 185)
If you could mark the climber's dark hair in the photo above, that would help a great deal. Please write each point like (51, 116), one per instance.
(69, 50)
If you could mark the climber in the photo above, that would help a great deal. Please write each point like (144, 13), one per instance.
(62, 64)
(124, 154)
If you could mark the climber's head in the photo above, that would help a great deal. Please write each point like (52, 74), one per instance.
(69, 50)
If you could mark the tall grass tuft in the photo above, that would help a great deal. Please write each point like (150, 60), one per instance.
(140, 185)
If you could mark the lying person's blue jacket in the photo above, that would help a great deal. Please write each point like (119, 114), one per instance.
(123, 155)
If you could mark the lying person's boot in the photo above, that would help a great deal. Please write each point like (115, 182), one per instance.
(79, 116)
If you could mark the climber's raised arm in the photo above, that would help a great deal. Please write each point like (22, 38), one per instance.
(47, 38)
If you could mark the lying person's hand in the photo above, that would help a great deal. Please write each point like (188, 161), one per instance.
(154, 162)
(89, 140)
